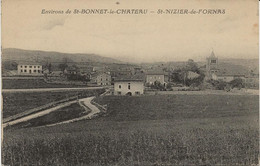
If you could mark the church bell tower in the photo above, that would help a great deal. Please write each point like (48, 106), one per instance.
(211, 65)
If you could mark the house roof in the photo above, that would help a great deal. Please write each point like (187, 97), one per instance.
(98, 73)
(139, 76)
(29, 63)
(233, 75)
(151, 72)
(128, 80)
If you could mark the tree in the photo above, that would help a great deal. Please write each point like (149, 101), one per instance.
(237, 83)
(157, 85)
(64, 64)
(49, 67)
(191, 66)
(9, 65)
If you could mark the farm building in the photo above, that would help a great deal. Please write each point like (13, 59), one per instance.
(101, 78)
(29, 69)
(131, 87)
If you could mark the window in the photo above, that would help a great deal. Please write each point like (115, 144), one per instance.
(34, 66)
(119, 93)
(21, 71)
(129, 87)
(38, 66)
(100, 79)
(101, 83)
(137, 93)
(25, 70)
(39, 71)
(30, 66)
(21, 66)
(119, 86)
(34, 71)
(213, 61)
(25, 66)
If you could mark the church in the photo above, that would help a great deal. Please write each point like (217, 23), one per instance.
(213, 71)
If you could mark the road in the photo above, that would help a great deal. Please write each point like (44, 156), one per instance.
(47, 89)
(93, 112)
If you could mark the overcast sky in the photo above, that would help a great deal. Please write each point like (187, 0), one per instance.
(136, 38)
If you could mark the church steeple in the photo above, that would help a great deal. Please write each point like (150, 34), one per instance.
(212, 55)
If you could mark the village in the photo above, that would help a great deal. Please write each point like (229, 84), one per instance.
(139, 79)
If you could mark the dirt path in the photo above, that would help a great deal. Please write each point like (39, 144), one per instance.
(93, 112)
(38, 114)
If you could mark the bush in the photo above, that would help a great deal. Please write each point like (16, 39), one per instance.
(237, 83)
(157, 85)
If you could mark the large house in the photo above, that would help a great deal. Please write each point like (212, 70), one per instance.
(29, 69)
(131, 87)
(161, 77)
(101, 78)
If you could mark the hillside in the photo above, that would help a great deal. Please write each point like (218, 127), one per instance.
(19, 55)
(228, 66)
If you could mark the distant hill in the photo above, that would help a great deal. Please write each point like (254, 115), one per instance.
(238, 64)
(228, 66)
(23, 56)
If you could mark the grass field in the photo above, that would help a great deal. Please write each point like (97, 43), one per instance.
(14, 103)
(32, 84)
(63, 114)
(147, 130)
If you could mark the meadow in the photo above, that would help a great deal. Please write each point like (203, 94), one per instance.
(14, 103)
(63, 114)
(147, 130)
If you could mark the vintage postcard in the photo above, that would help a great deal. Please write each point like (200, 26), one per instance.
(130, 82)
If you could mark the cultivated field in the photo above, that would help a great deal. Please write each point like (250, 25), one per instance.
(32, 84)
(147, 130)
(14, 103)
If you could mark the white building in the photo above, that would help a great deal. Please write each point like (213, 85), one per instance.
(29, 69)
(128, 87)
(101, 78)
(227, 77)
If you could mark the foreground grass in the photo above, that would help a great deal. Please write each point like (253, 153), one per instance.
(173, 132)
(14, 103)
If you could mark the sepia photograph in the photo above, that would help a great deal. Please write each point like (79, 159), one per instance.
(130, 83)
